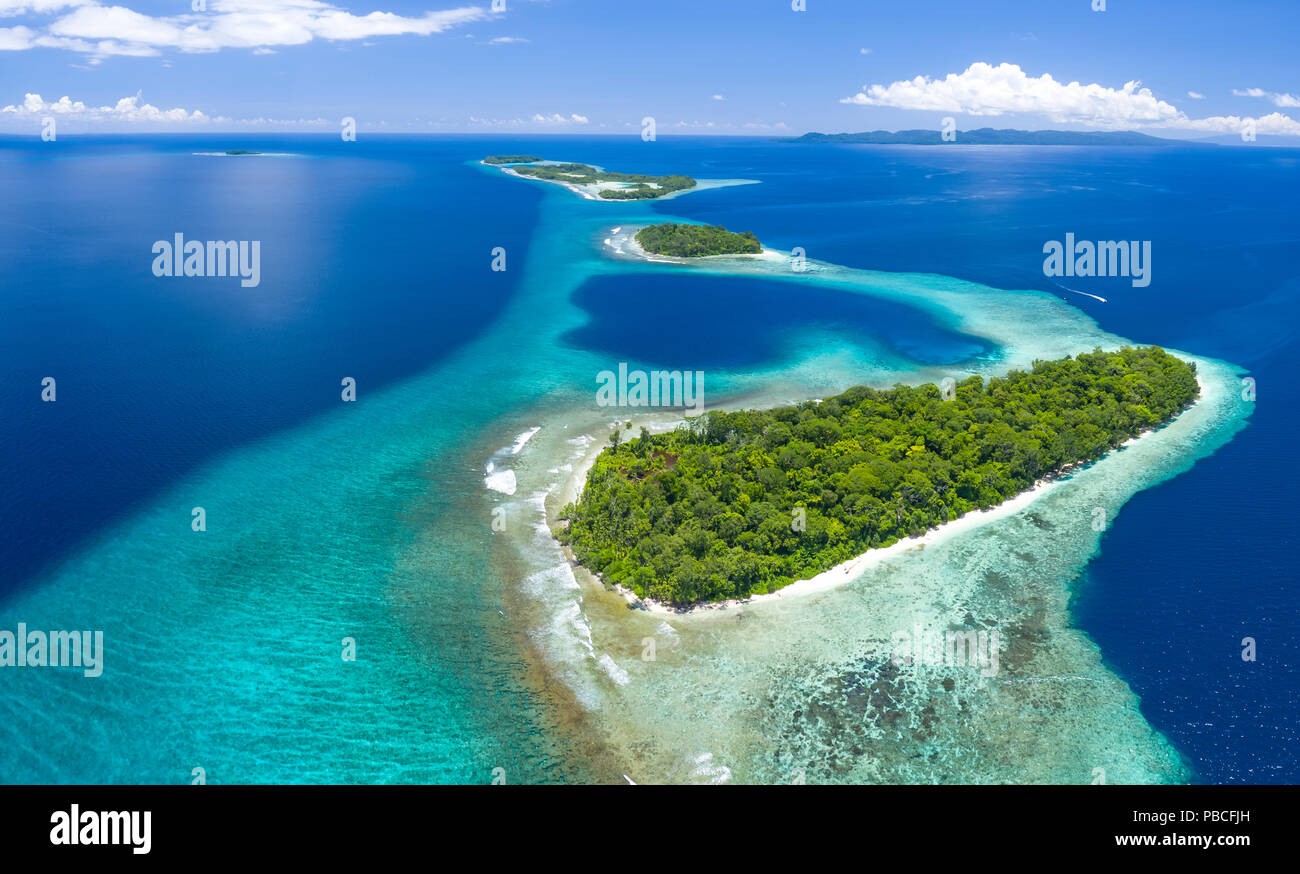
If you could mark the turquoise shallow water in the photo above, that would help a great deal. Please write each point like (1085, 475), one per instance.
(480, 649)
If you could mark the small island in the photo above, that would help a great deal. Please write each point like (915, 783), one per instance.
(594, 183)
(511, 159)
(240, 152)
(734, 504)
(694, 241)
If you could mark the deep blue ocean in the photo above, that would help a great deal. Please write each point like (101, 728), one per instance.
(373, 267)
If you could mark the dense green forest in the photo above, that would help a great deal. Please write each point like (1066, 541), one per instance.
(639, 185)
(738, 503)
(692, 241)
(511, 159)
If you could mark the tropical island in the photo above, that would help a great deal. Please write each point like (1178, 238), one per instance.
(240, 152)
(592, 182)
(511, 159)
(734, 504)
(694, 241)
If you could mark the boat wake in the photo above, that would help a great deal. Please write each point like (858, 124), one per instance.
(1084, 293)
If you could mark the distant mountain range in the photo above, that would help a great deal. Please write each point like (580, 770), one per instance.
(987, 136)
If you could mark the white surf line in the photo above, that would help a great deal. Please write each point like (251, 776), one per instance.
(502, 481)
(523, 439)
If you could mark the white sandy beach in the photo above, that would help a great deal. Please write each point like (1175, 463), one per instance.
(586, 192)
(591, 191)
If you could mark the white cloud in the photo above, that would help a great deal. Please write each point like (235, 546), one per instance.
(132, 113)
(1274, 123)
(1196, 95)
(560, 119)
(718, 97)
(553, 120)
(11, 8)
(1277, 99)
(864, 51)
(15, 39)
(505, 40)
(983, 89)
(128, 109)
(102, 30)
(116, 22)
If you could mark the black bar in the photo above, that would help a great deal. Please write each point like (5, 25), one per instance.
(333, 822)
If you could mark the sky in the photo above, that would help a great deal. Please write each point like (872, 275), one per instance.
(1180, 68)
